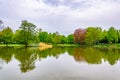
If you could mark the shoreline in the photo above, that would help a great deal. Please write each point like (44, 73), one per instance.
(111, 46)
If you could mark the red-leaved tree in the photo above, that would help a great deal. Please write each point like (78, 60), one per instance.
(79, 35)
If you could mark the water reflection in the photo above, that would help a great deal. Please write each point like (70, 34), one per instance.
(1, 64)
(28, 56)
(6, 53)
(89, 55)
(95, 56)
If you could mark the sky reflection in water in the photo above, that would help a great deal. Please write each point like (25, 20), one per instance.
(68, 63)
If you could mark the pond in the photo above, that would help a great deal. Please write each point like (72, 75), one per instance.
(59, 63)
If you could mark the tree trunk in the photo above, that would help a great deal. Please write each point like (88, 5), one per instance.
(6, 44)
(26, 44)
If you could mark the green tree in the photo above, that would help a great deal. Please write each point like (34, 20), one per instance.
(112, 35)
(7, 35)
(0, 36)
(43, 36)
(56, 38)
(104, 37)
(62, 39)
(118, 36)
(50, 38)
(93, 35)
(70, 39)
(27, 32)
(18, 37)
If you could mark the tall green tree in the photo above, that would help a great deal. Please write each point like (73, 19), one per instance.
(112, 35)
(7, 35)
(93, 35)
(27, 32)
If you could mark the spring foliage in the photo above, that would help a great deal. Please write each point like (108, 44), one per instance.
(27, 34)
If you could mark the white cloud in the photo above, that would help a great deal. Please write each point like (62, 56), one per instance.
(65, 18)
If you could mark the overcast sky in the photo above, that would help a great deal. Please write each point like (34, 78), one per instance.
(63, 16)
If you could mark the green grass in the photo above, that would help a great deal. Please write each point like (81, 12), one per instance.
(61, 45)
(66, 45)
(11, 45)
(109, 46)
(19, 45)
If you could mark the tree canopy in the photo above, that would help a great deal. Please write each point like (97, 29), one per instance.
(28, 34)
(6, 35)
(112, 35)
(79, 35)
(93, 35)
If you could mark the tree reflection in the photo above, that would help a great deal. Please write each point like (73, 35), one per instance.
(6, 53)
(111, 55)
(78, 54)
(95, 56)
(27, 56)
(27, 59)
(89, 55)
(52, 52)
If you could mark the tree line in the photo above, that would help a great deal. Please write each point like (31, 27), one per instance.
(95, 35)
(28, 34)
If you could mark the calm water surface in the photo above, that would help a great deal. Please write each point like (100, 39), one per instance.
(61, 63)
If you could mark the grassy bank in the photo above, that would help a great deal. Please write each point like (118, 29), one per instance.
(11, 45)
(66, 45)
(35, 45)
(108, 46)
(19, 45)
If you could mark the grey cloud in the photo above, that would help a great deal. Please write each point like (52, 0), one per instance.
(52, 2)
